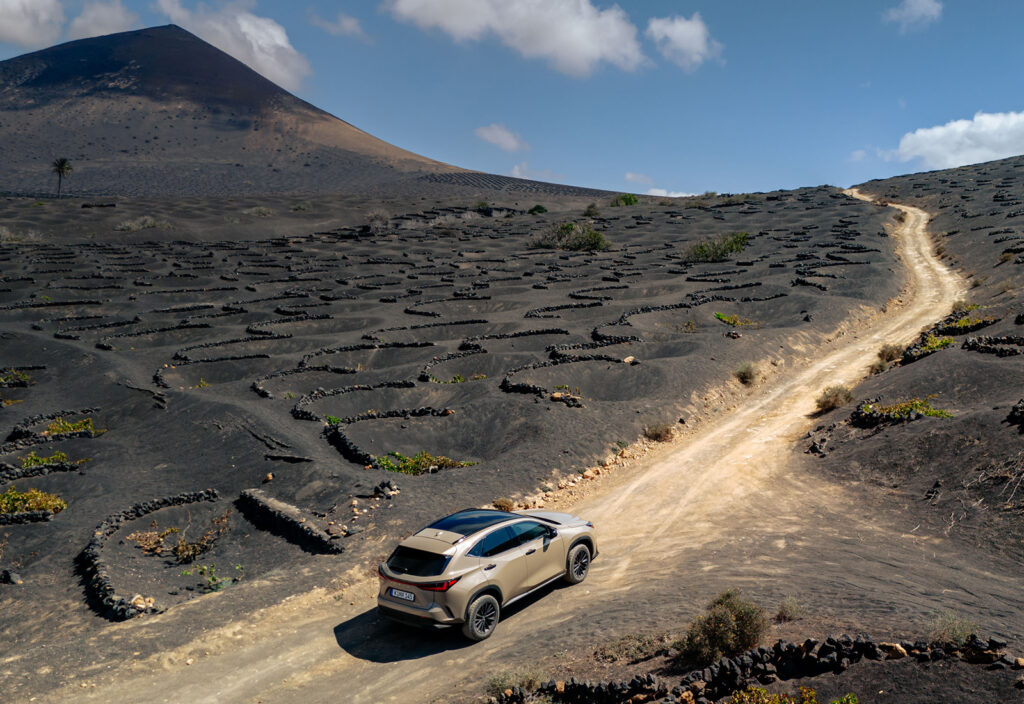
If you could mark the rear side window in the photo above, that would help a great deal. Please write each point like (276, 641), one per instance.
(418, 563)
(494, 543)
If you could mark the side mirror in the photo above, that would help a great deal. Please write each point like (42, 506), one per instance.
(552, 533)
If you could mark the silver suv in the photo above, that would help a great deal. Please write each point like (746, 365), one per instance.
(466, 567)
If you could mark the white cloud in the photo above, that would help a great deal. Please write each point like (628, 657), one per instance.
(523, 170)
(914, 14)
(858, 155)
(685, 42)
(31, 23)
(259, 42)
(344, 26)
(662, 193)
(99, 18)
(638, 178)
(502, 137)
(574, 36)
(986, 137)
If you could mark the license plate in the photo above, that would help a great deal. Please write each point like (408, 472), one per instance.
(399, 594)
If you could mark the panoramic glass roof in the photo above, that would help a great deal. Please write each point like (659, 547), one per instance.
(470, 521)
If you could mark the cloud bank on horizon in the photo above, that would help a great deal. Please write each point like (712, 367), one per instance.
(985, 137)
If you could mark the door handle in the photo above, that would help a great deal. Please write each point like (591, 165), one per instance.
(531, 551)
(490, 567)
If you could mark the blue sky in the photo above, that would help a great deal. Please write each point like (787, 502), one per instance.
(720, 95)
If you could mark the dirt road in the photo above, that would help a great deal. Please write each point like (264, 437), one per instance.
(729, 505)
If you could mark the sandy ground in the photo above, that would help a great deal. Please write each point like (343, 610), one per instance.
(727, 506)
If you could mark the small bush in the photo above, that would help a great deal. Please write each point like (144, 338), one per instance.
(746, 374)
(730, 626)
(151, 541)
(503, 504)
(186, 551)
(789, 610)
(717, 250)
(659, 432)
(572, 237)
(537, 210)
(378, 221)
(933, 343)
(904, 409)
(690, 326)
(62, 427)
(417, 464)
(529, 678)
(833, 397)
(591, 211)
(34, 460)
(14, 501)
(757, 695)
(734, 321)
(13, 377)
(258, 211)
(624, 199)
(299, 207)
(890, 353)
(950, 627)
(146, 222)
(878, 366)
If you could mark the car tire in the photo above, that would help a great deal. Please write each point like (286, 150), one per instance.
(577, 563)
(481, 617)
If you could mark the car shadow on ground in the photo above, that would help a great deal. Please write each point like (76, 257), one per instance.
(371, 636)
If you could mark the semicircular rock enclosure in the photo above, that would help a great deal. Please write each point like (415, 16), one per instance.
(185, 417)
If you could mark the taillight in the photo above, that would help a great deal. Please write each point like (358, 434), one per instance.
(439, 586)
(427, 586)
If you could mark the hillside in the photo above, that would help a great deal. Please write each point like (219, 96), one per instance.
(160, 112)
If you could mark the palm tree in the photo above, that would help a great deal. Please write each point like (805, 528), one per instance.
(61, 167)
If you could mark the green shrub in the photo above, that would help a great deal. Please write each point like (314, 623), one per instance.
(13, 376)
(572, 237)
(733, 320)
(62, 427)
(730, 625)
(950, 627)
(332, 420)
(592, 211)
(746, 373)
(34, 460)
(833, 397)
(418, 463)
(717, 250)
(537, 209)
(903, 409)
(933, 343)
(962, 306)
(299, 207)
(659, 432)
(624, 199)
(14, 501)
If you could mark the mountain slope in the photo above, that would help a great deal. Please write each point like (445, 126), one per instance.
(160, 112)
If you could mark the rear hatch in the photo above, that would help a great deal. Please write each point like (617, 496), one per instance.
(412, 575)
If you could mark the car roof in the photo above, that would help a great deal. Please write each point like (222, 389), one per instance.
(471, 520)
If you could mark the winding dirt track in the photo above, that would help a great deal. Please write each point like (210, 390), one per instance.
(729, 505)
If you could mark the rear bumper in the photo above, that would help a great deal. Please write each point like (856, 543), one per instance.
(432, 618)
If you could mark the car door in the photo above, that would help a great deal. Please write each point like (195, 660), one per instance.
(543, 551)
(503, 561)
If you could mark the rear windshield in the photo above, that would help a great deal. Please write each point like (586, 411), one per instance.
(418, 563)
